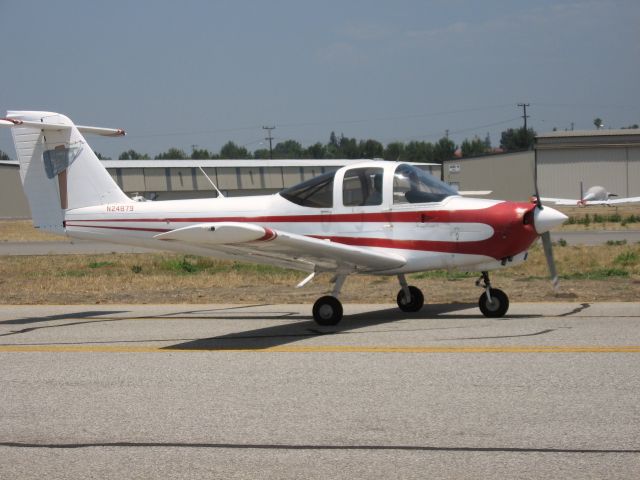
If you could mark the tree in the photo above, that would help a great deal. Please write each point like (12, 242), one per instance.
(419, 152)
(394, 151)
(487, 142)
(513, 140)
(172, 154)
(317, 150)
(348, 148)
(287, 149)
(333, 140)
(370, 149)
(4, 156)
(100, 156)
(261, 153)
(133, 155)
(598, 123)
(201, 154)
(443, 150)
(473, 148)
(230, 151)
(631, 127)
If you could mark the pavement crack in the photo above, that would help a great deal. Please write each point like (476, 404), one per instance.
(582, 307)
(278, 446)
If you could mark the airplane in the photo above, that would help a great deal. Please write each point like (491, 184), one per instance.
(371, 217)
(595, 195)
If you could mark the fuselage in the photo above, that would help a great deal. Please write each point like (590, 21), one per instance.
(450, 232)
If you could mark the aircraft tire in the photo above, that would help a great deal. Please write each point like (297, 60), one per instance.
(416, 303)
(327, 310)
(499, 305)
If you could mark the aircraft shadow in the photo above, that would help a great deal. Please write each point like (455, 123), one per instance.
(61, 316)
(278, 335)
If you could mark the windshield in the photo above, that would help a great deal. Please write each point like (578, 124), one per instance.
(413, 185)
(317, 192)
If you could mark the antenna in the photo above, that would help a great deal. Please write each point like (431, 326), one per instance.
(211, 182)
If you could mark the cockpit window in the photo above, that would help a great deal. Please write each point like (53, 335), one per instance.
(413, 185)
(362, 186)
(316, 192)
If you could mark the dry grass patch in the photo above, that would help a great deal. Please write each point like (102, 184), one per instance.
(587, 274)
(23, 231)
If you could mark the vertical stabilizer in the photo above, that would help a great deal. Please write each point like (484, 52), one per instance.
(59, 170)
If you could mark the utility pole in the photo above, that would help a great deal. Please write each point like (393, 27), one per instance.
(270, 138)
(524, 114)
(446, 134)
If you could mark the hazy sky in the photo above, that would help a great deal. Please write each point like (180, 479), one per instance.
(402, 70)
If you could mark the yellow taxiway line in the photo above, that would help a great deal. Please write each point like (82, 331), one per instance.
(328, 349)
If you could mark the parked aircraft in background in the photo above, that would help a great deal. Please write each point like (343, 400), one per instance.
(374, 217)
(595, 195)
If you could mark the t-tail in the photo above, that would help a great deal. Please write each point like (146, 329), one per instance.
(58, 168)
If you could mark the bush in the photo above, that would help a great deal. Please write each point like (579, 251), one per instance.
(627, 258)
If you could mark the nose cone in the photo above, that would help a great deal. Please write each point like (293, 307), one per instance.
(544, 219)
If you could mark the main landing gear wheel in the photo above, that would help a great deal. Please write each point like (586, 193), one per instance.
(327, 310)
(498, 305)
(416, 302)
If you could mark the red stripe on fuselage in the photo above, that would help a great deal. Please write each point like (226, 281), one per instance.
(511, 236)
(483, 215)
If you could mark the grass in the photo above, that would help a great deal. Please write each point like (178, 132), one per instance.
(606, 272)
(23, 231)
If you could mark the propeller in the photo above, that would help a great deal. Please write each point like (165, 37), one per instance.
(544, 220)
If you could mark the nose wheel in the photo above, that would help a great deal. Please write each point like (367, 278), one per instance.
(493, 302)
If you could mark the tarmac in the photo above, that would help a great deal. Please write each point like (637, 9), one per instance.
(260, 391)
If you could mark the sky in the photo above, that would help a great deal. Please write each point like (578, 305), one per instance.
(201, 73)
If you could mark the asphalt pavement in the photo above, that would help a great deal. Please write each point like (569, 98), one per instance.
(229, 391)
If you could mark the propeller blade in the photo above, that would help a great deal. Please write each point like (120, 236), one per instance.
(535, 176)
(548, 253)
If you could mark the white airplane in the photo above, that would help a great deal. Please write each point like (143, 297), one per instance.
(374, 217)
(595, 195)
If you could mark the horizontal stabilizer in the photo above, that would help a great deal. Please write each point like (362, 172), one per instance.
(105, 132)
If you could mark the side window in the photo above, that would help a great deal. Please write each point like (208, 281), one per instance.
(362, 186)
(316, 193)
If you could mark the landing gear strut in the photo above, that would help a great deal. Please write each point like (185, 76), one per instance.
(410, 298)
(328, 310)
(493, 302)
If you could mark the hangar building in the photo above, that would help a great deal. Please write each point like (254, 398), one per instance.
(610, 158)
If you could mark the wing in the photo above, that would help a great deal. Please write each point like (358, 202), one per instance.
(560, 201)
(254, 243)
(611, 201)
(614, 201)
(474, 193)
